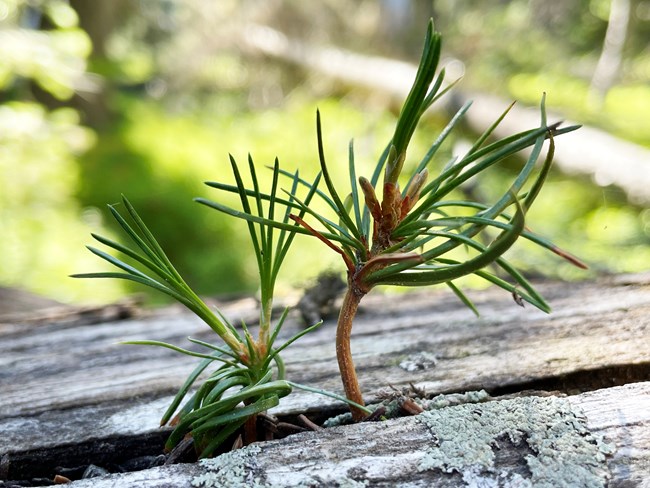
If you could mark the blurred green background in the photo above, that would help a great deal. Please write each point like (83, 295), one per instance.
(148, 97)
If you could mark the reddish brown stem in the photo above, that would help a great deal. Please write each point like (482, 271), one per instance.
(250, 430)
(344, 353)
(315, 233)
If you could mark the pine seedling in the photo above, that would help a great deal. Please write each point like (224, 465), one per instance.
(250, 370)
(405, 239)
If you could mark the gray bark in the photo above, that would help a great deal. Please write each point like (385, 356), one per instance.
(69, 390)
(594, 439)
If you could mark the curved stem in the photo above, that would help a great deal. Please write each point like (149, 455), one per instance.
(250, 430)
(344, 353)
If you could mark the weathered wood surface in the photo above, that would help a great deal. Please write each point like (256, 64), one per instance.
(589, 151)
(601, 438)
(70, 384)
(14, 301)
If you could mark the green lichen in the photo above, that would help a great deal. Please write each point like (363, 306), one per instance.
(234, 469)
(559, 450)
(452, 399)
(350, 483)
(332, 481)
(392, 405)
(342, 419)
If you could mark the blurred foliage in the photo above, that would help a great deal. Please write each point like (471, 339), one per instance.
(160, 159)
(55, 59)
(624, 112)
(500, 39)
(41, 223)
(168, 90)
(517, 48)
(597, 224)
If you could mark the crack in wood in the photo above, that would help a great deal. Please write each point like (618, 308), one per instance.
(580, 381)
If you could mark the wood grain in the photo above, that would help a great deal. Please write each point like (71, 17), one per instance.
(66, 383)
(394, 453)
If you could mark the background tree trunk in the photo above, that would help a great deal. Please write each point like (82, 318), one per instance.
(100, 19)
(611, 56)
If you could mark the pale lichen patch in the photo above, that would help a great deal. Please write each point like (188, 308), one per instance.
(452, 399)
(475, 478)
(392, 405)
(419, 362)
(350, 483)
(562, 451)
(234, 469)
(318, 482)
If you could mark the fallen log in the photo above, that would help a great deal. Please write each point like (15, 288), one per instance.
(601, 438)
(70, 393)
